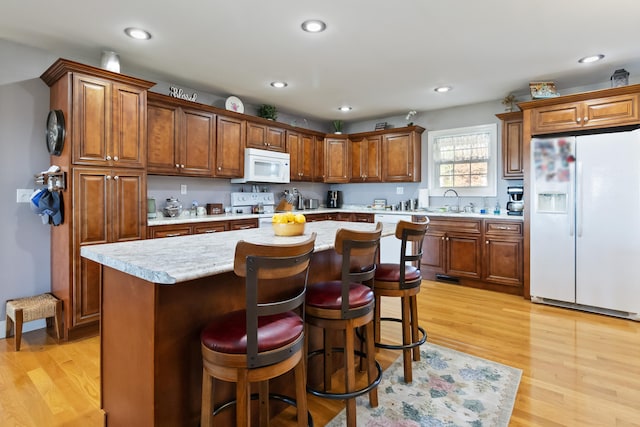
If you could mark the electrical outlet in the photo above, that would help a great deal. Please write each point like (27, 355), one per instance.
(183, 189)
(23, 195)
(399, 190)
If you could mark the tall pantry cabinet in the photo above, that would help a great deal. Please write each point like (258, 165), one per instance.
(104, 159)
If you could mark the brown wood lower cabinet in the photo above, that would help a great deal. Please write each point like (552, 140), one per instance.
(172, 230)
(481, 253)
(339, 216)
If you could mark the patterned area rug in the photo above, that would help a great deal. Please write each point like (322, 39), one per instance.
(449, 389)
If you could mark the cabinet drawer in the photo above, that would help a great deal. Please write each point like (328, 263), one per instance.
(509, 228)
(168, 231)
(459, 225)
(211, 227)
(243, 224)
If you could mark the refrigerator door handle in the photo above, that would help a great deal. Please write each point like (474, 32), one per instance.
(579, 198)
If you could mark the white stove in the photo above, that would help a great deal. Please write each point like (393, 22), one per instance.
(246, 202)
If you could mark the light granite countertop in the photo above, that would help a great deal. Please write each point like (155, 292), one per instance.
(172, 260)
(185, 219)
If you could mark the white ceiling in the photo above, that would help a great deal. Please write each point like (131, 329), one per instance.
(382, 57)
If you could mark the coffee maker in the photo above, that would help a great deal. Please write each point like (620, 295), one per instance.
(334, 199)
(515, 205)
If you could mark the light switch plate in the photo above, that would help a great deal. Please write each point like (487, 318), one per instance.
(23, 195)
(399, 190)
(183, 189)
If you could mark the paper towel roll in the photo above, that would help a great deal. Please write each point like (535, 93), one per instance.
(423, 198)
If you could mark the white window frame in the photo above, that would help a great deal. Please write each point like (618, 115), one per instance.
(492, 177)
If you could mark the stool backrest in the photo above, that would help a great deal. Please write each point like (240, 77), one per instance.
(258, 263)
(359, 250)
(411, 232)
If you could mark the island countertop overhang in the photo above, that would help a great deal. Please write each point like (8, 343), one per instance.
(173, 260)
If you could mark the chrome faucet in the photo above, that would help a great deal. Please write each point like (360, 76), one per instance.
(457, 208)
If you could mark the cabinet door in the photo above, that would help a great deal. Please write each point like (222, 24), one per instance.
(91, 120)
(433, 251)
(400, 155)
(163, 134)
(358, 156)
(230, 143)
(128, 136)
(512, 151)
(197, 142)
(337, 165)
(302, 152)
(611, 111)
(91, 214)
(321, 164)
(503, 263)
(463, 255)
(372, 162)
(128, 217)
(555, 118)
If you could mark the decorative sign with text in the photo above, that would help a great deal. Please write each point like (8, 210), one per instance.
(179, 93)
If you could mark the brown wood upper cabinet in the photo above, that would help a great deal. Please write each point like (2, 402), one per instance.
(401, 155)
(266, 137)
(512, 147)
(337, 159)
(589, 110)
(230, 147)
(366, 159)
(180, 138)
(108, 122)
(302, 152)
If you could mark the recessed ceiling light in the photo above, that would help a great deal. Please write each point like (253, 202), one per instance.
(314, 26)
(592, 58)
(345, 108)
(443, 89)
(279, 85)
(137, 33)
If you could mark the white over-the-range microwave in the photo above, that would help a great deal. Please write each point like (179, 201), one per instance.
(265, 166)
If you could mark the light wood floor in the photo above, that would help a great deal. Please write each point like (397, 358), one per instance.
(579, 369)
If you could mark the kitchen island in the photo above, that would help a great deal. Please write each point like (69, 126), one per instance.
(157, 295)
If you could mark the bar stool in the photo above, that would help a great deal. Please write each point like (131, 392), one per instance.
(266, 339)
(403, 280)
(345, 305)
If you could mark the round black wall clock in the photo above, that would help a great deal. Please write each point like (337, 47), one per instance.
(55, 132)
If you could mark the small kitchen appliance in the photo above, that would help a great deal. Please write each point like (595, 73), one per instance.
(334, 199)
(151, 209)
(247, 203)
(515, 205)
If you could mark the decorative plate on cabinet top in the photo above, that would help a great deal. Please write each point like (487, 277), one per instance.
(233, 103)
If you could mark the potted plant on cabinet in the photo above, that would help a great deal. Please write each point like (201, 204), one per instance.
(268, 112)
(337, 125)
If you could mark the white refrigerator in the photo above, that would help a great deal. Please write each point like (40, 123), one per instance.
(585, 222)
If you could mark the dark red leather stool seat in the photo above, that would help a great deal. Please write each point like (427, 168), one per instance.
(329, 295)
(391, 273)
(228, 334)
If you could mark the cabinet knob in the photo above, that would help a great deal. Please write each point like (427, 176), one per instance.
(108, 177)
(586, 119)
(177, 165)
(486, 242)
(442, 238)
(578, 120)
(108, 157)
(116, 177)
(182, 166)
(219, 168)
(115, 158)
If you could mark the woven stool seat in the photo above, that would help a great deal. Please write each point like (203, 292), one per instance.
(20, 310)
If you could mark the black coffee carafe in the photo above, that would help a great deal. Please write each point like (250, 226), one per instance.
(334, 199)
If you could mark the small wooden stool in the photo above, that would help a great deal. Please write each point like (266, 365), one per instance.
(43, 306)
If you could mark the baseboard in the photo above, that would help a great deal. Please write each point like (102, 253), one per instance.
(587, 308)
(26, 327)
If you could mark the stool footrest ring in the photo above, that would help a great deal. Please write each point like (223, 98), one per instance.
(418, 343)
(346, 395)
(255, 396)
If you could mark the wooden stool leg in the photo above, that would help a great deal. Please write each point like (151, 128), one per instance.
(58, 320)
(371, 362)
(301, 392)
(376, 319)
(206, 413)
(18, 328)
(350, 373)
(243, 398)
(328, 360)
(9, 327)
(406, 339)
(414, 326)
(263, 394)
